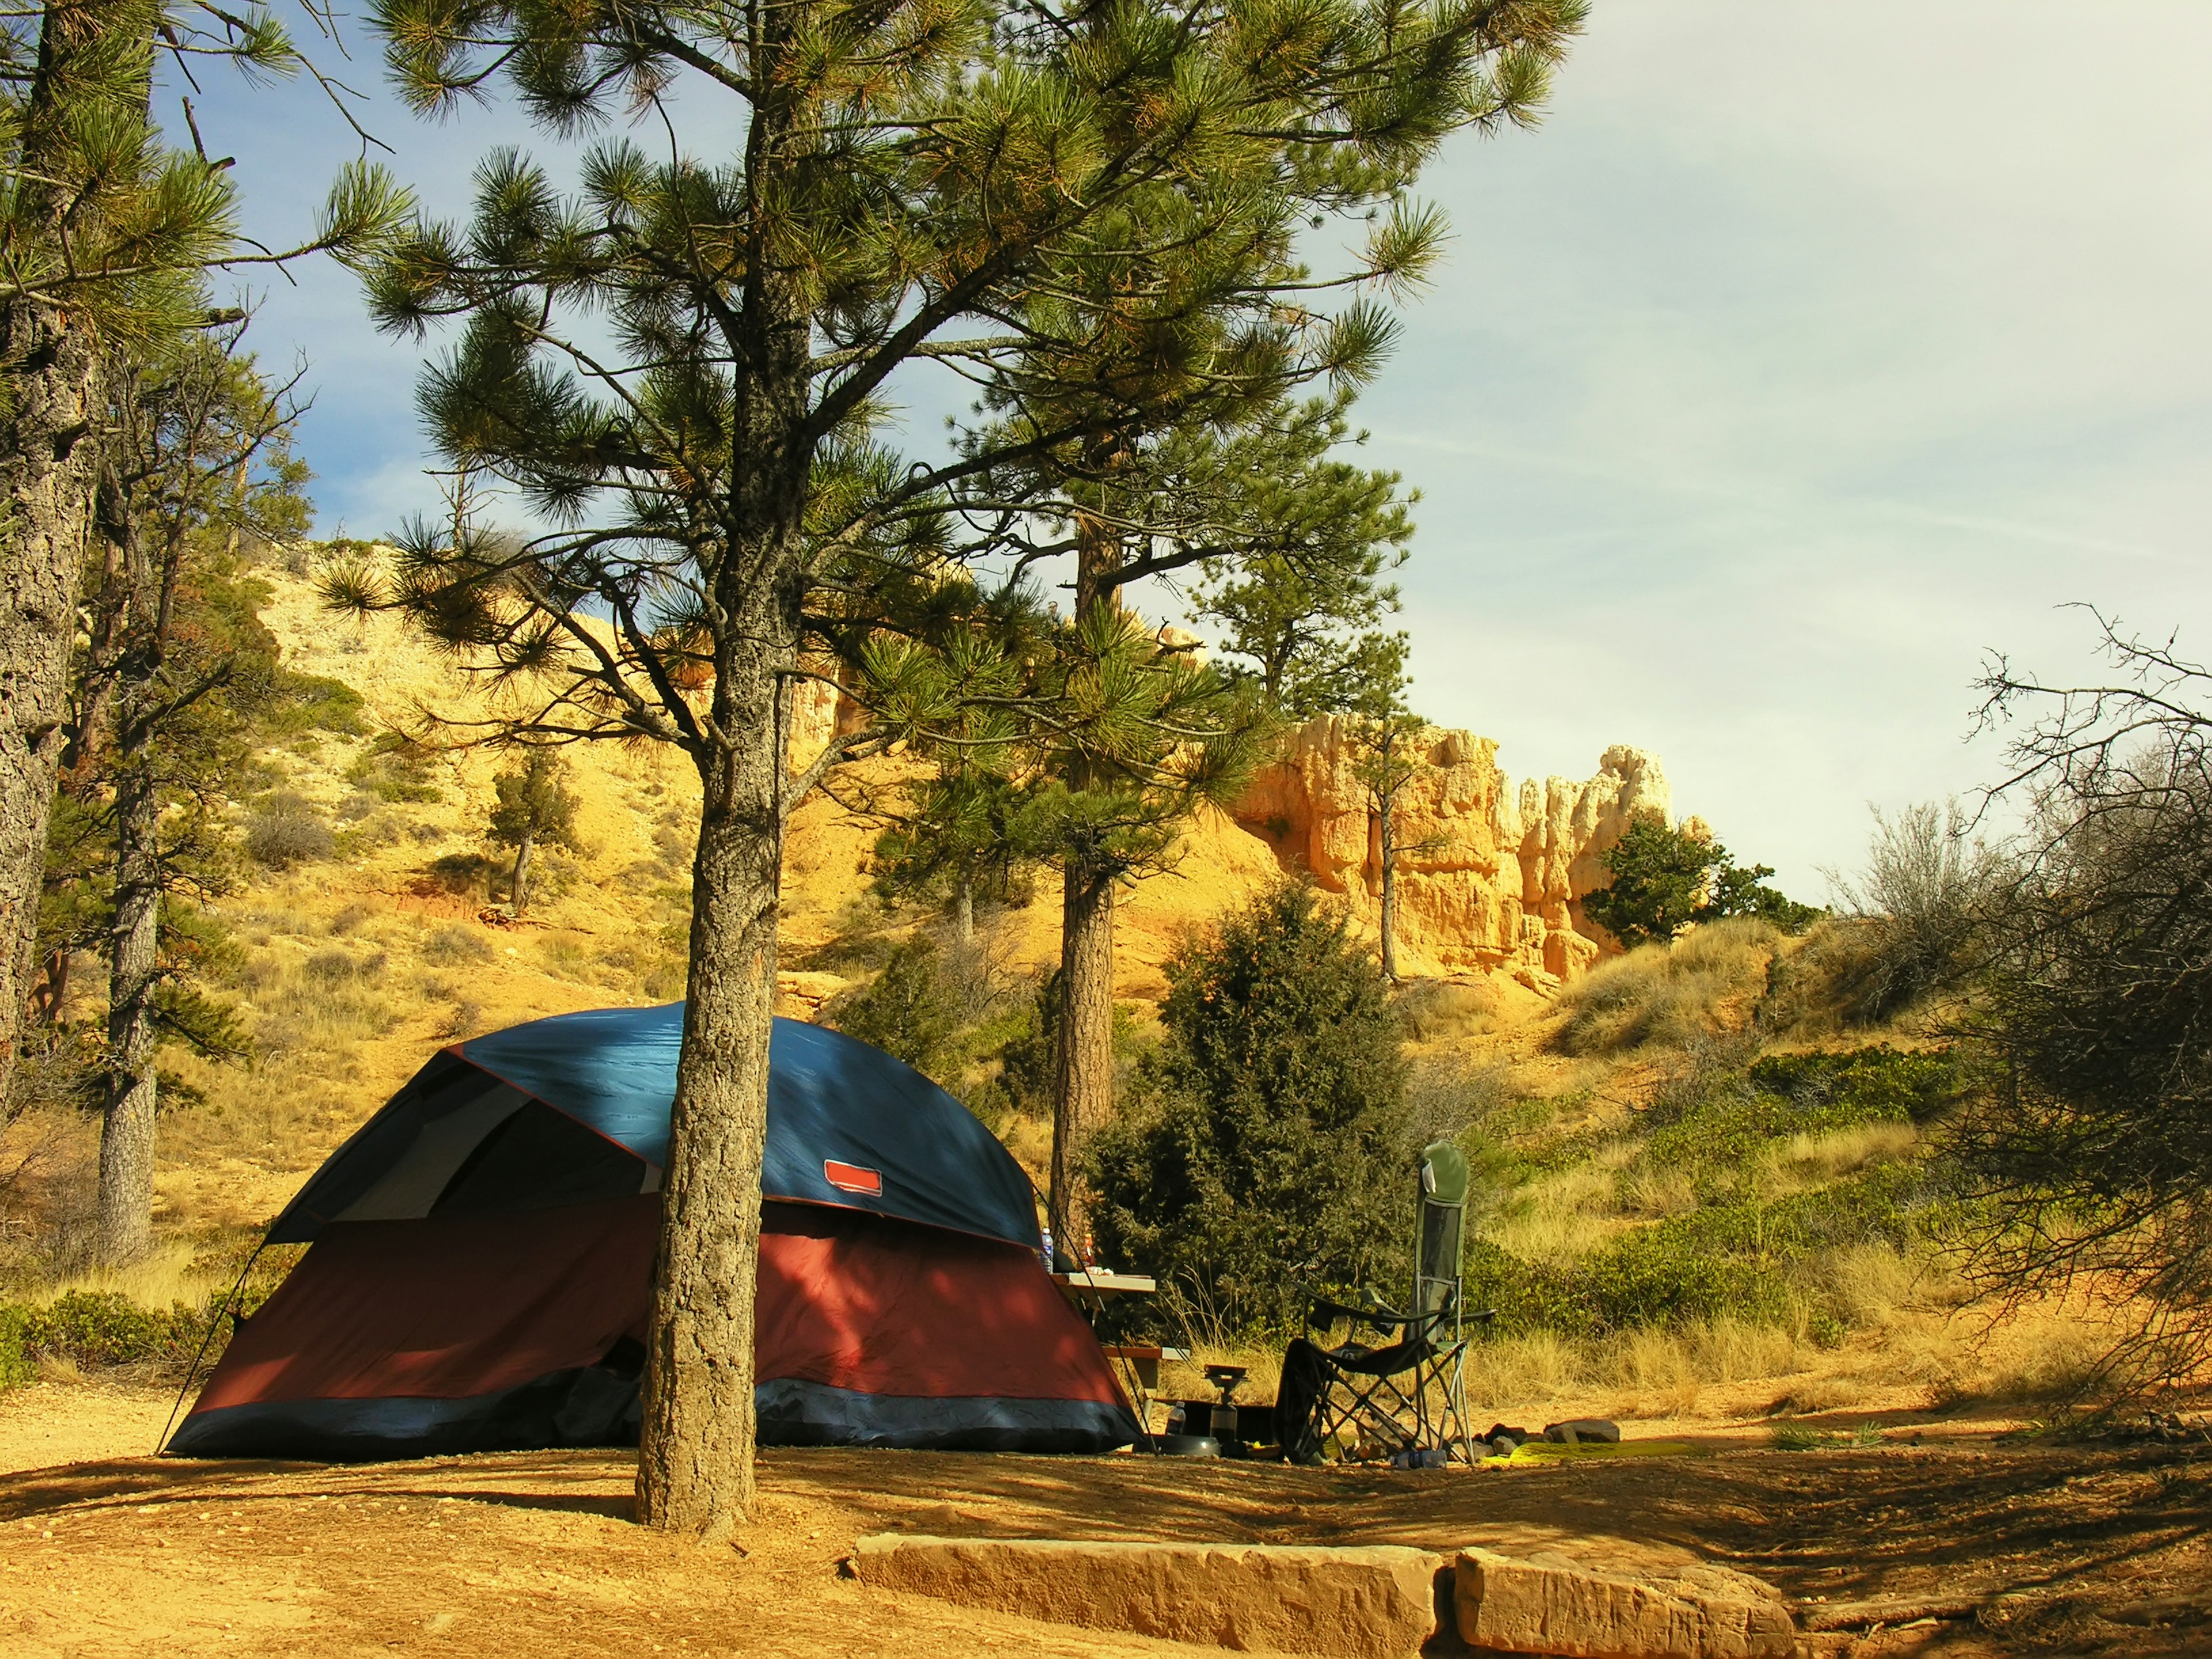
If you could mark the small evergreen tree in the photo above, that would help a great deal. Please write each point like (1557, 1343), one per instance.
(1272, 1132)
(1372, 690)
(534, 810)
(1665, 879)
(908, 1009)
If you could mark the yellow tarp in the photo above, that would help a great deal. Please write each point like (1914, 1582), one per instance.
(1545, 1451)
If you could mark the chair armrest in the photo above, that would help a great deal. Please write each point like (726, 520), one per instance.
(1324, 1311)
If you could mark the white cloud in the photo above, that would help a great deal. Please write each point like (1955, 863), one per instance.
(1806, 353)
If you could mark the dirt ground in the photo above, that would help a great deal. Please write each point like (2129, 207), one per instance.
(2007, 1547)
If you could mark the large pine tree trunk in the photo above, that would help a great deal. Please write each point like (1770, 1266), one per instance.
(1086, 1057)
(126, 1128)
(694, 1468)
(139, 596)
(1086, 1045)
(695, 1474)
(49, 380)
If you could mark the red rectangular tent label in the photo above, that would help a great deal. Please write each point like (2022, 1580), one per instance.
(851, 1178)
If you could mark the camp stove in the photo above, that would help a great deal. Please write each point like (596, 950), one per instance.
(1225, 1378)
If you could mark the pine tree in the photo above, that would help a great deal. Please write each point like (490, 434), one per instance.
(680, 365)
(104, 236)
(1262, 504)
(1383, 729)
(1302, 604)
(174, 672)
(535, 810)
(1134, 739)
(1665, 878)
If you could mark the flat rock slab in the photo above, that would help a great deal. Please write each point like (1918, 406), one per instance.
(1557, 1607)
(1373, 1602)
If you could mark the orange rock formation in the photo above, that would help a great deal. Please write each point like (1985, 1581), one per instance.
(1490, 878)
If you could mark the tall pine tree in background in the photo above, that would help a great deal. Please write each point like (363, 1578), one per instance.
(680, 366)
(175, 679)
(197, 449)
(1301, 609)
(1383, 731)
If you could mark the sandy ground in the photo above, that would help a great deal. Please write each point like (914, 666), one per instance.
(2010, 1547)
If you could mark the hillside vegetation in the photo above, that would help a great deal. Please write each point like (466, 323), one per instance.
(1702, 1168)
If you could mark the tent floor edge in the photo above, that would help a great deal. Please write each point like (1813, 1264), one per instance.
(592, 1407)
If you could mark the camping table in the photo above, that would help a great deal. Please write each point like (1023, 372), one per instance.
(1096, 1282)
(1145, 1363)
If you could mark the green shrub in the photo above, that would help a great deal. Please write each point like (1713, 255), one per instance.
(1270, 1133)
(1864, 1086)
(307, 702)
(102, 1328)
(1685, 1267)
(1665, 880)
(1738, 1253)
(909, 1009)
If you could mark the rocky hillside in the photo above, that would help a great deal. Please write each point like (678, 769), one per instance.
(381, 937)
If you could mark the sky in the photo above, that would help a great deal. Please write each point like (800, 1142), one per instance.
(1805, 355)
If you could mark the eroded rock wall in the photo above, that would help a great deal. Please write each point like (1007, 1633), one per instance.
(1491, 878)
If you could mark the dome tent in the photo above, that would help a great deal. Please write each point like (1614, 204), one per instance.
(481, 1254)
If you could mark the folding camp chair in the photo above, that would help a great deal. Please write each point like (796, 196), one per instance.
(1405, 1397)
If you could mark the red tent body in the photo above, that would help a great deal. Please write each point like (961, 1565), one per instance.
(483, 1325)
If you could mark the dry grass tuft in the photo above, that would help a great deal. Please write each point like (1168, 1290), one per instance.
(1558, 1218)
(1706, 984)
(1441, 1011)
(1807, 1160)
(173, 1272)
(1517, 1371)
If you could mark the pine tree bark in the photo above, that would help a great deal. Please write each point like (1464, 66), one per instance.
(50, 401)
(1086, 1057)
(48, 376)
(126, 1128)
(142, 593)
(1085, 1100)
(695, 1459)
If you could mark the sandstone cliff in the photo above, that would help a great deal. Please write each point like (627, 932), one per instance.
(1490, 881)
(1490, 878)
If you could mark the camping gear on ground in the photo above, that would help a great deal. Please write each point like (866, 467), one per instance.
(1238, 1425)
(1225, 1378)
(482, 1251)
(1597, 1431)
(1406, 1393)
